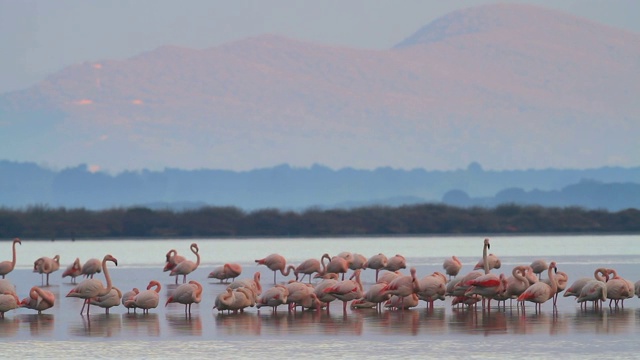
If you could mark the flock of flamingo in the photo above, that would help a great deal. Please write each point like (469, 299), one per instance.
(392, 289)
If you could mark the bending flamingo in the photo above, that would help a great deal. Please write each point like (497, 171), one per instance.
(186, 294)
(147, 299)
(276, 262)
(540, 292)
(38, 299)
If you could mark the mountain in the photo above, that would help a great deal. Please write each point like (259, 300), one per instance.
(510, 86)
(284, 187)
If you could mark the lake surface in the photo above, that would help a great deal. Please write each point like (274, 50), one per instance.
(444, 332)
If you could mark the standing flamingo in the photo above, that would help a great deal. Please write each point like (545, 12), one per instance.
(147, 299)
(539, 266)
(47, 265)
(7, 266)
(452, 266)
(38, 299)
(494, 263)
(173, 259)
(540, 292)
(186, 294)
(91, 267)
(111, 299)
(431, 288)
(91, 288)
(373, 297)
(74, 270)
(618, 288)
(253, 284)
(276, 262)
(273, 297)
(186, 267)
(129, 295)
(396, 263)
(561, 279)
(359, 262)
(377, 262)
(8, 301)
(336, 265)
(403, 286)
(329, 280)
(307, 268)
(226, 271)
(347, 290)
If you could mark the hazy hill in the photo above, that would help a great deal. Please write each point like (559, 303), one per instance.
(511, 86)
(286, 187)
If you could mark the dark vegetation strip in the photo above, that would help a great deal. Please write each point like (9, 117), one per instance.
(60, 223)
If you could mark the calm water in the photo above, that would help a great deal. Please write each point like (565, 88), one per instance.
(444, 332)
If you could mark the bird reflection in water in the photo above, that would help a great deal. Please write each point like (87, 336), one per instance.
(137, 324)
(180, 324)
(607, 321)
(42, 324)
(9, 326)
(101, 325)
(238, 324)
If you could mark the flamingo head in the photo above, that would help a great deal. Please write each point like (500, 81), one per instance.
(110, 257)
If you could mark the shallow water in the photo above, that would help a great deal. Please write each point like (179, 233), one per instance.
(445, 332)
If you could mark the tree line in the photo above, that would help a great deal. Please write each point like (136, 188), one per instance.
(61, 223)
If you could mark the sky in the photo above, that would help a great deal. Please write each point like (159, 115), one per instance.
(41, 37)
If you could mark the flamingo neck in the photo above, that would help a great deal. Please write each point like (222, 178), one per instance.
(518, 273)
(13, 260)
(107, 278)
(552, 280)
(485, 258)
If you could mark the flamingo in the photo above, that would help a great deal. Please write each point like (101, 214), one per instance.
(618, 288)
(576, 288)
(91, 267)
(595, 291)
(273, 297)
(111, 299)
(402, 303)
(8, 301)
(226, 271)
(494, 263)
(336, 265)
(431, 288)
(129, 295)
(74, 270)
(91, 288)
(329, 280)
(347, 290)
(377, 262)
(396, 263)
(7, 287)
(561, 279)
(540, 292)
(186, 267)
(307, 268)
(388, 276)
(276, 262)
(298, 292)
(403, 286)
(517, 283)
(253, 284)
(358, 262)
(186, 294)
(173, 259)
(38, 299)
(539, 266)
(488, 286)
(7, 266)
(461, 287)
(147, 299)
(47, 265)
(374, 297)
(452, 266)
(235, 299)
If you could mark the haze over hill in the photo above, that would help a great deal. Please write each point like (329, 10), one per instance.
(510, 86)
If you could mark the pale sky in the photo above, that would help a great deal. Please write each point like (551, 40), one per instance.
(40, 37)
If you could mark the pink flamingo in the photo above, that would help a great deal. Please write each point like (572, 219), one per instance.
(253, 284)
(358, 262)
(7, 287)
(47, 265)
(374, 297)
(186, 294)
(111, 299)
(403, 286)
(517, 283)
(540, 292)
(129, 295)
(186, 267)
(7, 266)
(276, 262)
(461, 287)
(618, 288)
(74, 270)
(226, 271)
(147, 299)
(494, 263)
(452, 266)
(235, 299)
(38, 299)
(91, 267)
(402, 303)
(377, 262)
(173, 259)
(396, 263)
(307, 268)
(8, 301)
(431, 288)
(336, 265)
(539, 266)
(273, 297)
(561, 279)
(91, 288)
(329, 280)
(594, 291)
(298, 293)
(347, 290)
